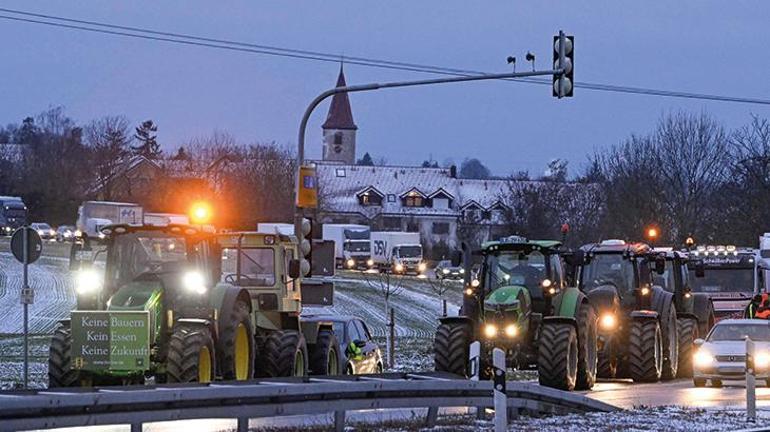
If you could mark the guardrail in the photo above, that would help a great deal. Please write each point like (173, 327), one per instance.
(135, 405)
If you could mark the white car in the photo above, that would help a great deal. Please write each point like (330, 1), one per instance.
(722, 356)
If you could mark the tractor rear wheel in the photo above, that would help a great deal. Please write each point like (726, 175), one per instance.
(607, 363)
(557, 359)
(60, 371)
(587, 356)
(688, 332)
(236, 346)
(450, 348)
(324, 355)
(645, 350)
(670, 344)
(283, 354)
(191, 355)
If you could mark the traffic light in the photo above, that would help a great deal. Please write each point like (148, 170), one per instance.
(563, 84)
(306, 247)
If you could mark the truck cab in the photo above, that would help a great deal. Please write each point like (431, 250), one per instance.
(407, 258)
(13, 214)
(730, 278)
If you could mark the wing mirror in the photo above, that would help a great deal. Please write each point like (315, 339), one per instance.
(294, 269)
(660, 265)
(698, 342)
(359, 343)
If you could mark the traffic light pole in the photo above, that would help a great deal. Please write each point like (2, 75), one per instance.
(377, 86)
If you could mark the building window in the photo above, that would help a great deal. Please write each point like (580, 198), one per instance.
(340, 172)
(413, 201)
(440, 228)
(392, 198)
(369, 199)
(338, 138)
(412, 226)
(391, 223)
(440, 203)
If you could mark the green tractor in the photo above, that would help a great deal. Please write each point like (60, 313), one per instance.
(638, 326)
(694, 310)
(521, 303)
(181, 304)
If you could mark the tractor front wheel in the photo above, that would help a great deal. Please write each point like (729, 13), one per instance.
(236, 346)
(557, 359)
(324, 355)
(283, 354)
(450, 348)
(191, 356)
(60, 371)
(645, 351)
(587, 355)
(688, 332)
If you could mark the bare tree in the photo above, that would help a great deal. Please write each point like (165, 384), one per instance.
(388, 285)
(109, 143)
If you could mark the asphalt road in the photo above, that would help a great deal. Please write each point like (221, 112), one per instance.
(681, 392)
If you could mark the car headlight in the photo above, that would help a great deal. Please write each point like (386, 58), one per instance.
(511, 330)
(52, 232)
(370, 262)
(67, 234)
(422, 267)
(703, 359)
(399, 267)
(194, 281)
(40, 232)
(78, 233)
(102, 235)
(490, 331)
(608, 321)
(87, 281)
(351, 263)
(445, 271)
(462, 271)
(762, 360)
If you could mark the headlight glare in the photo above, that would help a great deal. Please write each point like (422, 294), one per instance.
(351, 263)
(511, 330)
(762, 360)
(422, 267)
(194, 281)
(490, 331)
(87, 281)
(703, 359)
(370, 262)
(608, 321)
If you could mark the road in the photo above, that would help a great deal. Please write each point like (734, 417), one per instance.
(676, 393)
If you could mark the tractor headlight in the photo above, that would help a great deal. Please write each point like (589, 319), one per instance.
(475, 283)
(645, 291)
(351, 263)
(468, 291)
(370, 262)
(194, 281)
(703, 359)
(87, 281)
(608, 321)
(762, 360)
(490, 331)
(422, 267)
(511, 330)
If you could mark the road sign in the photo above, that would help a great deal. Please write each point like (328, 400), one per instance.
(34, 245)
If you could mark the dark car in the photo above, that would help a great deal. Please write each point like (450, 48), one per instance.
(352, 330)
(445, 270)
(44, 230)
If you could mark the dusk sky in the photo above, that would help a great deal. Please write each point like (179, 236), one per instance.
(693, 46)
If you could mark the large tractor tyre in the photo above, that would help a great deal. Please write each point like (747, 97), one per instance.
(557, 359)
(587, 354)
(670, 333)
(236, 346)
(60, 371)
(324, 355)
(688, 332)
(191, 355)
(709, 322)
(450, 348)
(284, 354)
(607, 366)
(645, 351)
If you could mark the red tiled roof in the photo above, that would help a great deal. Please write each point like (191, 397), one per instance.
(340, 115)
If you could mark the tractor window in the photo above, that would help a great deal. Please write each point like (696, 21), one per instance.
(257, 266)
(159, 249)
(556, 271)
(515, 268)
(608, 269)
(666, 280)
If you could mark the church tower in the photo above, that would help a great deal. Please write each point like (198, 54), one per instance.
(339, 130)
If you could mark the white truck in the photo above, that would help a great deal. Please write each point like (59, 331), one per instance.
(165, 219)
(398, 251)
(93, 215)
(351, 245)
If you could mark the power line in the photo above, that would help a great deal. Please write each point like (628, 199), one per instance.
(192, 40)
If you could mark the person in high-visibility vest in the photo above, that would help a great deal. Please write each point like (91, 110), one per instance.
(759, 307)
(353, 352)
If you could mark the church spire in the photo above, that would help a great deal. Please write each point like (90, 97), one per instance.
(340, 115)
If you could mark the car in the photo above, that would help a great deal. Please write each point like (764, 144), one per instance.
(65, 233)
(722, 355)
(44, 230)
(445, 270)
(352, 330)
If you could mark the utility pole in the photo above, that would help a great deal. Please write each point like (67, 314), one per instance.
(558, 73)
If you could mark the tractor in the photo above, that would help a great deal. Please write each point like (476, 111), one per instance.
(184, 304)
(520, 303)
(694, 310)
(156, 311)
(637, 321)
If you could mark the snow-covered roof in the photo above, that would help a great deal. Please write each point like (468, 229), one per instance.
(340, 184)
